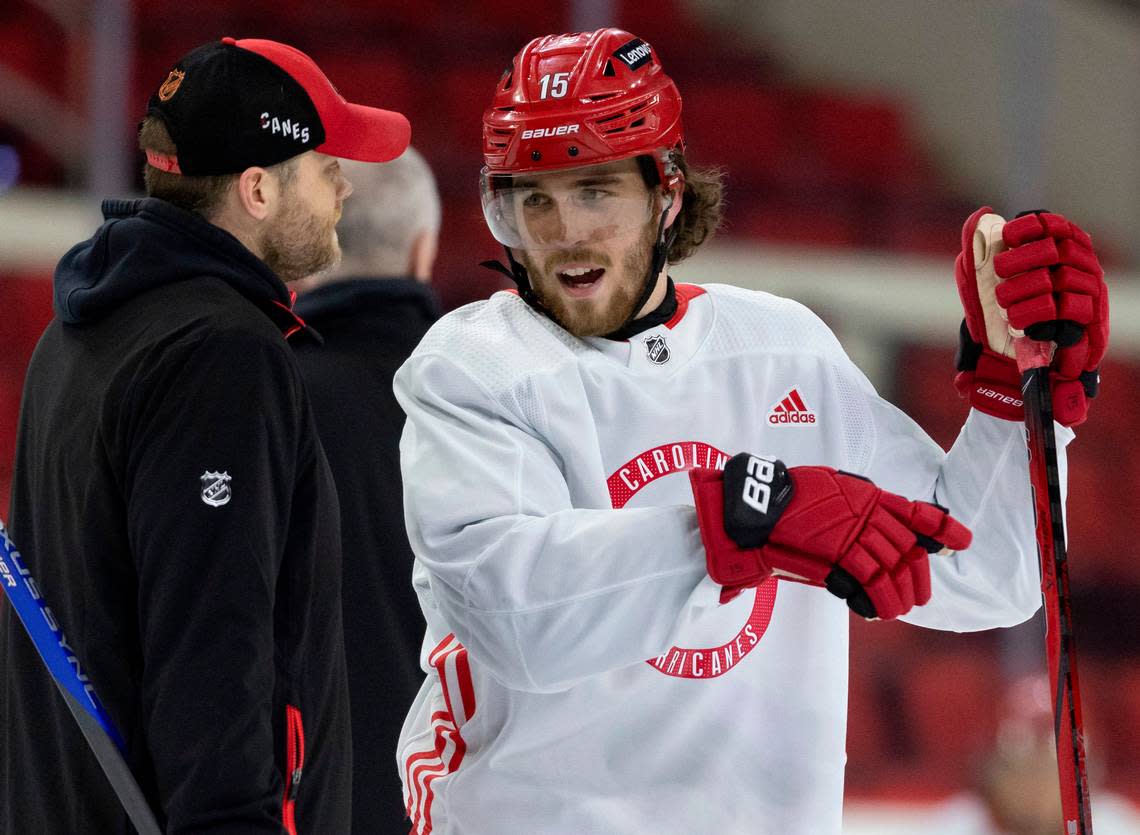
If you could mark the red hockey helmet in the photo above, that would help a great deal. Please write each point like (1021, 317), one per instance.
(583, 99)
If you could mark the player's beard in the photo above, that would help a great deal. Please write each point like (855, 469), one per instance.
(581, 317)
(300, 243)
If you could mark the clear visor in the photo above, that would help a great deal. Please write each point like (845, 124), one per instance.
(555, 211)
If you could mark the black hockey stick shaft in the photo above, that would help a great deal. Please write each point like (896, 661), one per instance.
(78, 692)
(1061, 652)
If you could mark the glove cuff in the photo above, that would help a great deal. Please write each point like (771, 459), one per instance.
(726, 562)
(990, 382)
(994, 387)
(969, 350)
(991, 389)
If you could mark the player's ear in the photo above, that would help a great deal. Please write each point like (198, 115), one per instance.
(674, 198)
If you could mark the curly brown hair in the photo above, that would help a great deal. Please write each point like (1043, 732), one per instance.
(702, 209)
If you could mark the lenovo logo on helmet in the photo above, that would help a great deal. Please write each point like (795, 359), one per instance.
(635, 53)
(539, 133)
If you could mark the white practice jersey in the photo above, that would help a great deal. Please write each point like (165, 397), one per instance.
(583, 676)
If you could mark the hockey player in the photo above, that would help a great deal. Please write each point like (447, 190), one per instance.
(603, 656)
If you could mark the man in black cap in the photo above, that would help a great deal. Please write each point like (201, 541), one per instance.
(170, 492)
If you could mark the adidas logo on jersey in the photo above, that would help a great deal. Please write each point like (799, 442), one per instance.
(790, 410)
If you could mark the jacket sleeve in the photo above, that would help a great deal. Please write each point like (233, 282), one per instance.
(541, 593)
(984, 481)
(208, 558)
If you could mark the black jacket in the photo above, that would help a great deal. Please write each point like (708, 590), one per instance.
(172, 498)
(370, 326)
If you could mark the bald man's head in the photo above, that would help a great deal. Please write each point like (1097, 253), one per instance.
(390, 225)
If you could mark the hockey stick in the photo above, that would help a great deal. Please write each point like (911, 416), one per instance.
(59, 657)
(1033, 359)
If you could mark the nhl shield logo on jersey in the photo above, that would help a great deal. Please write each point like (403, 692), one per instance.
(216, 488)
(657, 348)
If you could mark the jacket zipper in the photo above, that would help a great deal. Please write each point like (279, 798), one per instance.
(294, 766)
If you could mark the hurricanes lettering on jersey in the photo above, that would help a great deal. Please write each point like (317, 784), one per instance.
(708, 663)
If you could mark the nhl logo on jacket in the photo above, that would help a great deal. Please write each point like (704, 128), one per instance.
(791, 411)
(216, 488)
(658, 350)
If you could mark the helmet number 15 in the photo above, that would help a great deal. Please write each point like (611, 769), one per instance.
(553, 85)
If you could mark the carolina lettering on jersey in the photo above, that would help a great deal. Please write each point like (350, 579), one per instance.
(660, 461)
(630, 478)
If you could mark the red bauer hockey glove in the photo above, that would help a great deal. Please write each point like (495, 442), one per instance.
(1050, 267)
(823, 527)
(1053, 291)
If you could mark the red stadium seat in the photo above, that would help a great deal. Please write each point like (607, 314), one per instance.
(861, 141)
(1116, 739)
(26, 302)
(924, 222)
(33, 45)
(952, 700)
(870, 736)
(1105, 457)
(793, 219)
(379, 78)
(747, 129)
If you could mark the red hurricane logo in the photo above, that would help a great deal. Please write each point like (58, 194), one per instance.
(624, 484)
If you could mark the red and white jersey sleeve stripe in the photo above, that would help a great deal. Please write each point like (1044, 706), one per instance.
(445, 749)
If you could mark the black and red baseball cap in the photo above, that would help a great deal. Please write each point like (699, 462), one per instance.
(232, 104)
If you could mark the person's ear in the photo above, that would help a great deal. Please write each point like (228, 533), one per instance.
(258, 192)
(421, 255)
(674, 198)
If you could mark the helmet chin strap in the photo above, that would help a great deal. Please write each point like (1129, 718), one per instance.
(518, 274)
(656, 265)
